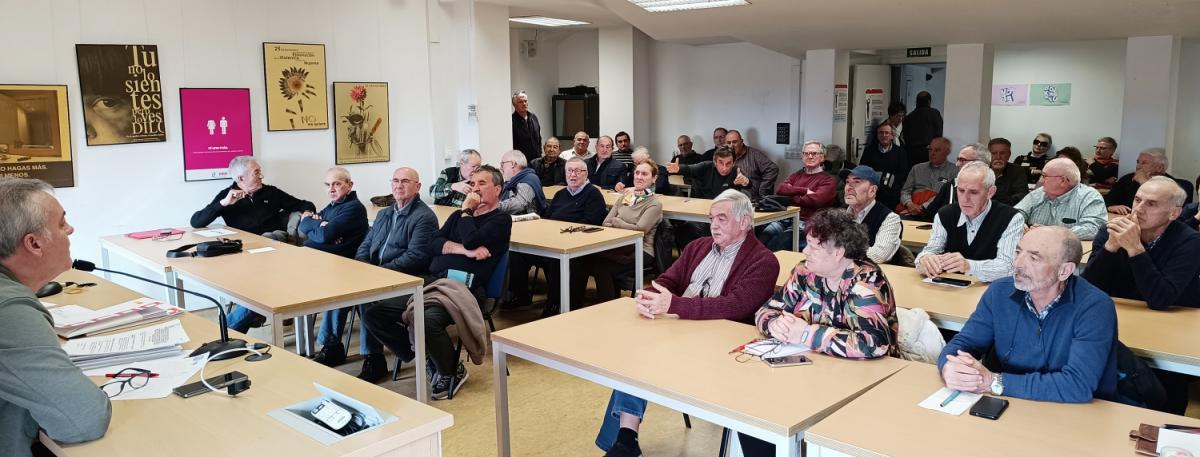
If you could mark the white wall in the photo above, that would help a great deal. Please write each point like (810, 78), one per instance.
(1096, 71)
(579, 59)
(537, 76)
(1186, 161)
(493, 81)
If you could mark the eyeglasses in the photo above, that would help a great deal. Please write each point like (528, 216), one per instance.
(506, 162)
(1041, 143)
(402, 181)
(133, 378)
(1046, 176)
(576, 171)
(813, 154)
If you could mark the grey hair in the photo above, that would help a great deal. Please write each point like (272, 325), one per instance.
(342, 173)
(742, 208)
(21, 212)
(642, 152)
(989, 176)
(466, 153)
(516, 157)
(814, 142)
(982, 154)
(1178, 196)
(577, 159)
(238, 165)
(1159, 155)
(835, 152)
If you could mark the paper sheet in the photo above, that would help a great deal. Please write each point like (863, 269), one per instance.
(964, 401)
(166, 334)
(213, 233)
(773, 348)
(261, 250)
(70, 314)
(172, 372)
(1177, 443)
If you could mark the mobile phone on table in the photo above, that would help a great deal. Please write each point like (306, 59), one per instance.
(951, 281)
(924, 227)
(219, 381)
(788, 361)
(989, 407)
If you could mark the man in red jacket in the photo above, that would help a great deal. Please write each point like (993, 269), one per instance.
(726, 276)
(810, 188)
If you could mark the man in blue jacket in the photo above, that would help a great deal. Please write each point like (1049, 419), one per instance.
(1054, 334)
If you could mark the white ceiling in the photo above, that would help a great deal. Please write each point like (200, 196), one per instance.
(793, 26)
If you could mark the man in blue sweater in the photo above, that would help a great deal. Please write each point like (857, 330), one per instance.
(1054, 335)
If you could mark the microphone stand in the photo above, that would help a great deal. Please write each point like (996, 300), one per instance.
(212, 347)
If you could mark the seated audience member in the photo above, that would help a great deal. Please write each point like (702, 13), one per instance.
(603, 169)
(1102, 172)
(662, 185)
(624, 152)
(579, 202)
(1148, 245)
(896, 114)
(40, 390)
(718, 141)
(639, 209)
(1150, 163)
(1055, 334)
(685, 154)
(836, 160)
(1073, 153)
(549, 167)
(882, 226)
(974, 152)
(522, 193)
(472, 240)
(755, 171)
(925, 179)
(454, 183)
(579, 147)
(1012, 184)
(1063, 200)
(251, 206)
(400, 240)
(727, 276)
(1190, 216)
(890, 161)
(810, 188)
(709, 179)
(1036, 159)
(977, 236)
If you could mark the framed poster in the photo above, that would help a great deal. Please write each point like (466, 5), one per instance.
(216, 128)
(1010, 94)
(1058, 94)
(295, 86)
(361, 122)
(35, 134)
(122, 94)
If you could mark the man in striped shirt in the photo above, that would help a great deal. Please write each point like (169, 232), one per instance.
(1063, 200)
(976, 236)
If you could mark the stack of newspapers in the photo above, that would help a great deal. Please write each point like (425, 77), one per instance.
(147, 343)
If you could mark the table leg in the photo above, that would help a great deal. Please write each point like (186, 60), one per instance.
(500, 379)
(796, 232)
(276, 330)
(638, 268)
(419, 321)
(304, 335)
(105, 262)
(787, 446)
(564, 283)
(174, 296)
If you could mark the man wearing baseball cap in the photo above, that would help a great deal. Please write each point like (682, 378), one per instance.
(882, 224)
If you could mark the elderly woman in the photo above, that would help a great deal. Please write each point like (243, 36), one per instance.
(1037, 157)
(639, 209)
(661, 184)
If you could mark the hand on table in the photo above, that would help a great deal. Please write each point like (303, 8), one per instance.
(965, 374)
(651, 303)
(787, 328)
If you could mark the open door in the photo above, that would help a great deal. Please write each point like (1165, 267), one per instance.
(870, 88)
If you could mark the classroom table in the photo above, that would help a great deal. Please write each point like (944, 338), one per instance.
(887, 421)
(216, 425)
(608, 344)
(677, 182)
(545, 238)
(285, 282)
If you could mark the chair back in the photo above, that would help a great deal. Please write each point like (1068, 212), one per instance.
(664, 246)
(495, 285)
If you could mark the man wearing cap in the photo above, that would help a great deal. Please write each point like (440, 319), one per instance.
(883, 226)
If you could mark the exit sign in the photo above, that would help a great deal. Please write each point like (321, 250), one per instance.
(920, 52)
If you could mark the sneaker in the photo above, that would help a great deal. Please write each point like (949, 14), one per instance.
(431, 373)
(441, 386)
(374, 368)
(622, 449)
(332, 355)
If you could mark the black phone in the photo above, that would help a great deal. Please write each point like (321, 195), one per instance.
(989, 407)
(924, 227)
(951, 281)
(219, 381)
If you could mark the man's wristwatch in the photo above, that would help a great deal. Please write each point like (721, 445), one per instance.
(997, 384)
(469, 211)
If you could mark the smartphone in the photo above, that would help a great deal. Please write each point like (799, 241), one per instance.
(951, 281)
(989, 407)
(218, 381)
(788, 360)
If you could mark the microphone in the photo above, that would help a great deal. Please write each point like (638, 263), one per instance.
(221, 348)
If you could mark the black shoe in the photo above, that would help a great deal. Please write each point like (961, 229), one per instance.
(517, 302)
(441, 386)
(374, 368)
(431, 372)
(622, 449)
(332, 355)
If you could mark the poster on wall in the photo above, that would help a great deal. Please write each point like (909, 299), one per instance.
(1054, 94)
(360, 111)
(216, 128)
(841, 102)
(295, 86)
(122, 93)
(35, 134)
(875, 111)
(1010, 94)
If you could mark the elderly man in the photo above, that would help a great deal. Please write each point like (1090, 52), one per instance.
(890, 160)
(662, 185)
(974, 152)
(1011, 179)
(580, 203)
(1150, 163)
(1102, 171)
(926, 179)
(755, 171)
(709, 179)
(522, 193)
(882, 225)
(920, 127)
(727, 276)
(249, 205)
(977, 236)
(526, 130)
(39, 386)
(454, 183)
(1151, 247)
(1054, 334)
(624, 152)
(718, 137)
(1063, 200)
(685, 155)
(579, 147)
(549, 167)
(472, 240)
(603, 169)
(810, 188)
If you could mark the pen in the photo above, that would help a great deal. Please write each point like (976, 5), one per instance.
(130, 375)
(953, 395)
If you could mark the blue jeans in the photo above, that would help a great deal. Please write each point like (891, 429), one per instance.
(241, 319)
(333, 323)
(619, 402)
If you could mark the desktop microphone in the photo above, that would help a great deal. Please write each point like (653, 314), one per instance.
(221, 348)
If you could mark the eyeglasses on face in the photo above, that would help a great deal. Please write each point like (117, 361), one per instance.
(1041, 143)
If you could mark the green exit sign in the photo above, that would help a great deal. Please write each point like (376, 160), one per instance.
(920, 52)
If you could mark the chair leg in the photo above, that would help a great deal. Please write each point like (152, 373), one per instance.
(724, 449)
(396, 370)
(687, 420)
(350, 327)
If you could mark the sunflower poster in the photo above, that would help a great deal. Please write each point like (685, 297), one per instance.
(295, 86)
(360, 116)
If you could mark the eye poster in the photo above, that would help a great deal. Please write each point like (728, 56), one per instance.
(122, 93)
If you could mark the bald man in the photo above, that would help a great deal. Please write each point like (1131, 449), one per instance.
(685, 155)
(1064, 200)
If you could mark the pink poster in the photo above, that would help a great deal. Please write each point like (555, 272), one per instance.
(216, 128)
(1010, 94)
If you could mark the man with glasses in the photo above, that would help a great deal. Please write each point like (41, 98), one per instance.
(40, 389)
(522, 192)
(926, 179)
(1035, 160)
(1063, 200)
(526, 130)
(946, 195)
(686, 155)
(1102, 172)
(726, 276)
(579, 147)
(809, 188)
(755, 171)
(1150, 163)
(718, 141)
(454, 183)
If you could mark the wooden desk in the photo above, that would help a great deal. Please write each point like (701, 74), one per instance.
(677, 182)
(684, 365)
(914, 237)
(544, 238)
(216, 425)
(443, 213)
(787, 262)
(887, 421)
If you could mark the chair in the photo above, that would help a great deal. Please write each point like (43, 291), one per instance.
(664, 256)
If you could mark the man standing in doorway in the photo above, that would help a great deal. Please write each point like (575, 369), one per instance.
(526, 130)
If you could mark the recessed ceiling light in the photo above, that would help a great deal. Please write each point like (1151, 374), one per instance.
(663, 6)
(546, 21)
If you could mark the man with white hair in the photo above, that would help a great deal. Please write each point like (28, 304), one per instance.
(685, 155)
(579, 147)
(1150, 163)
(454, 183)
(662, 185)
(522, 192)
(974, 152)
(1063, 200)
(40, 389)
(248, 204)
(726, 276)
(976, 236)
(526, 130)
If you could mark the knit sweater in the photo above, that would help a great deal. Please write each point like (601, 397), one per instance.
(492, 230)
(341, 229)
(586, 207)
(797, 186)
(643, 216)
(750, 283)
(1165, 275)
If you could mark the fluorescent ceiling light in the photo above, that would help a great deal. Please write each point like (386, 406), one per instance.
(545, 21)
(663, 6)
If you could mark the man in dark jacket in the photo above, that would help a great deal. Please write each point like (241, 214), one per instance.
(604, 170)
(1011, 179)
(921, 126)
(248, 204)
(526, 130)
(549, 167)
(890, 160)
